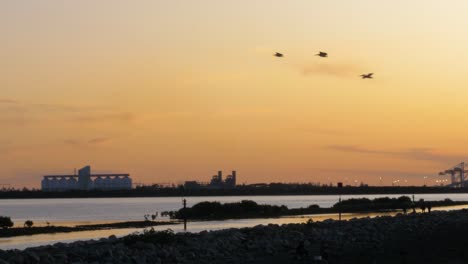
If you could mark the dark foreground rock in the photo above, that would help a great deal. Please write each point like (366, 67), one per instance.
(439, 237)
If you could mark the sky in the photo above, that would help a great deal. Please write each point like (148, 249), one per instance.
(176, 90)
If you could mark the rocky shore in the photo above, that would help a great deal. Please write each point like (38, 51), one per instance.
(438, 237)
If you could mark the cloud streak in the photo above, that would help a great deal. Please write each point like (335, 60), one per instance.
(373, 173)
(17, 113)
(324, 131)
(98, 140)
(413, 153)
(89, 142)
(331, 69)
(103, 117)
(8, 101)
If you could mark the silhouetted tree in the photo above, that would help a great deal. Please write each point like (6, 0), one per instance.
(422, 205)
(153, 216)
(28, 223)
(5, 222)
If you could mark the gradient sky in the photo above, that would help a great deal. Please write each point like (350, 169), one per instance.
(176, 90)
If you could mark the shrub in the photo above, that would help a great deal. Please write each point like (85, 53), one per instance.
(28, 223)
(5, 222)
(151, 236)
(216, 210)
(313, 206)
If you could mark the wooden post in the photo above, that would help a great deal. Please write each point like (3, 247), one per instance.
(184, 202)
(340, 186)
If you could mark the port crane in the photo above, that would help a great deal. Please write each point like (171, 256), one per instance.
(457, 175)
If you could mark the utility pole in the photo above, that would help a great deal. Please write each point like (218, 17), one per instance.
(340, 186)
(184, 203)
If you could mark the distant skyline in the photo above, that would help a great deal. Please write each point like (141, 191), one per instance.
(176, 90)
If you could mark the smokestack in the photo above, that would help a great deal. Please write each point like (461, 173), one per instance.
(234, 177)
(220, 175)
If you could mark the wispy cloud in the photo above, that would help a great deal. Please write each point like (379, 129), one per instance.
(41, 107)
(62, 108)
(324, 131)
(92, 141)
(72, 142)
(357, 149)
(413, 153)
(103, 117)
(14, 120)
(15, 112)
(7, 101)
(241, 112)
(373, 173)
(98, 140)
(333, 69)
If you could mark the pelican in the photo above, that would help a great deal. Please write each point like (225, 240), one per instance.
(322, 54)
(367, 76)
(279, 55)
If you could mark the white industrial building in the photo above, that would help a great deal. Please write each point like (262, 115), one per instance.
(86, 181)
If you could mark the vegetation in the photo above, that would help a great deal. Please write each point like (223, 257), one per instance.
(216, 210)
(364, 204)
(50, 229)
(243, 209)
(250, 209)
(151, 236)
(28, 223)
(153, 216)
(5, 222)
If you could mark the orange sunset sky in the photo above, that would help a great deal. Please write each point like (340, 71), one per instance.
(175, 90)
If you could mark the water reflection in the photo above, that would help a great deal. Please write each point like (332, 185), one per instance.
(23, 242)
(90, 210)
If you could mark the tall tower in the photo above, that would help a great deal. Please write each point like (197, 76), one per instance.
(84, 178)
(234, 178)
(220, 176)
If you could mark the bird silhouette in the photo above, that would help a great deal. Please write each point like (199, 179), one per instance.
(367, 76)
(322, 54)
(279, 55)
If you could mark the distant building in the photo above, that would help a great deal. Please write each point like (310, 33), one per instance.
(217, 180)
(215, 183)
(86, 181)
(192, 185)
(230, 181)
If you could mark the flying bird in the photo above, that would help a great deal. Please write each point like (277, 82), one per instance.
(367, 76)
(279, 55)
(322, 54)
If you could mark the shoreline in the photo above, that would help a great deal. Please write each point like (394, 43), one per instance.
(284, 190)
(385, 239)
(28, 231)
(293, 212)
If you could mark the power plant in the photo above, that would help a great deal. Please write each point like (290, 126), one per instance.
(86, 181)
(215, 183)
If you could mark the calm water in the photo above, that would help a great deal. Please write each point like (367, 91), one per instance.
(97, 210)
